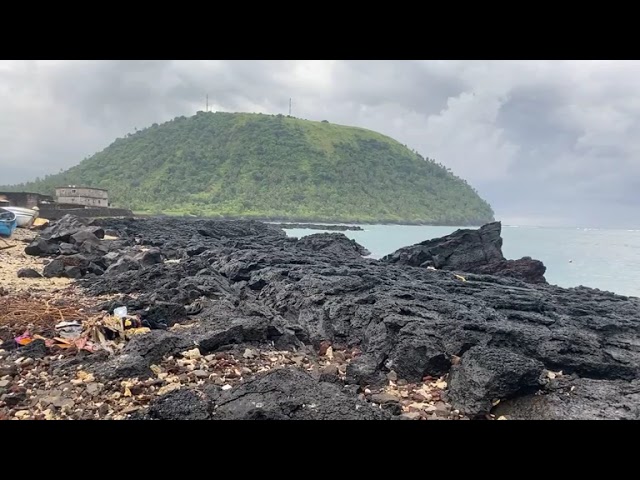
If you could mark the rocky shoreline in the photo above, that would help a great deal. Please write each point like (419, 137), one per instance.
(235, 320)
(314, 226)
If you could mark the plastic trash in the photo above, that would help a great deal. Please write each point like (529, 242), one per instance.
(120, 312)
(68, 329)
(24, 339)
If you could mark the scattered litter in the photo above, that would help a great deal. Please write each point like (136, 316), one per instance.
(226, 387)
(69, 329)
(24, 339)
(120, 312)
(29, 312)
(39, 223)
(138, 331)
(460, 277)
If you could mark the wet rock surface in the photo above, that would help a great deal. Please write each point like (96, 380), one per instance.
(209, 286)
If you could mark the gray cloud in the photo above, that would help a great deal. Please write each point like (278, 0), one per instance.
(546, 142)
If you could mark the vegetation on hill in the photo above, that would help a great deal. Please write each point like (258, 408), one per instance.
(273, 167)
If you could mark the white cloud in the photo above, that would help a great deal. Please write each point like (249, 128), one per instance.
(466, 138)
(529, 135)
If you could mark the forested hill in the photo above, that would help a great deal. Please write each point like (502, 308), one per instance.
(273, 167)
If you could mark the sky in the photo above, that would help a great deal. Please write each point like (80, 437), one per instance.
(549, 143)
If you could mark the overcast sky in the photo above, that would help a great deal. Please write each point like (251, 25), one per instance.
(545, 142)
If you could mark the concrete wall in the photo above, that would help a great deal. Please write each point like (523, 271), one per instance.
(89, 202)
(53, 213)
(25, 199)
(91, 197)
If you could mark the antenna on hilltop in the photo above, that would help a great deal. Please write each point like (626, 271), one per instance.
(206, 108)
(289, 106)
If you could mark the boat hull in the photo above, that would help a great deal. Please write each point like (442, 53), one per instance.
(7, 223)
(24, 216)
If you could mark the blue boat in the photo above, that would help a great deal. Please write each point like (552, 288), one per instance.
(7, 223)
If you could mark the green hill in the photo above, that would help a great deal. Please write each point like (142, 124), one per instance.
(273, 167)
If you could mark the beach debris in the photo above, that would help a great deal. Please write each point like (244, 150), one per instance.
(40, 223)
(63, 324)
(552, 375)
(24, 339)
(69, 330)
(21, 311)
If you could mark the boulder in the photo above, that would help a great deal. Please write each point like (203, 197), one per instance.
(38, 247)
(151, 257)
(63, 229)
(485, 375)
(334, 244)
(55, 268)
(28, 273)
(122, 265)
(467, 250)
(464, 250)
(85, 235)
(73, 272)
(67, 249)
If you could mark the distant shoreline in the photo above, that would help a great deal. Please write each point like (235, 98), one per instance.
(314, 226)
(315, 222)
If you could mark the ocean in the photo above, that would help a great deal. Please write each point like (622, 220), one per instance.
(596, 258)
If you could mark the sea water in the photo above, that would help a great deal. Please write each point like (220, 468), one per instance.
(597, 258)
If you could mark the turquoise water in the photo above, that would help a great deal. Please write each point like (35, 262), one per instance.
(604, 259)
